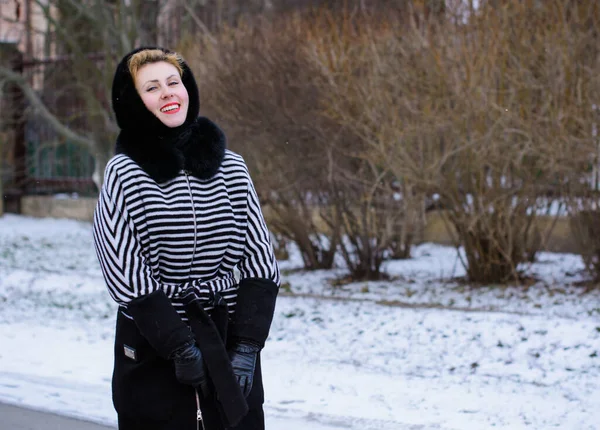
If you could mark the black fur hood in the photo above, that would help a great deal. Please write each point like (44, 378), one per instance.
(197, 146)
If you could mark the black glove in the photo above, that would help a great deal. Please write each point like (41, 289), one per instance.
(189, 367)
(162, 326)
(243, 360)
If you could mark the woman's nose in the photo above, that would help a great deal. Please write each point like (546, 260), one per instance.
(167, 93)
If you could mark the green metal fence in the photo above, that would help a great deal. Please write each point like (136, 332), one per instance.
(49, 162)
(55, 165)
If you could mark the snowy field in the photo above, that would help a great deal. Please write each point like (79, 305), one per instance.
(421, 351)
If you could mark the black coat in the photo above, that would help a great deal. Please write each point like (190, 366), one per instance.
(146, 393)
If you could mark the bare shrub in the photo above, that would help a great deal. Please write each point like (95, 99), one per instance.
(581, 159)
(373, 223)
(480, 115)
(260, 81)
(585, 226)
(256, 82)
(382, 209)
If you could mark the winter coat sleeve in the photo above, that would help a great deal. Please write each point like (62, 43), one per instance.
(259, 259)
(122, 258)
(259, 280)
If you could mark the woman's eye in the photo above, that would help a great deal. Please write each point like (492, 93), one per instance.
(149, 89)
(173, 83)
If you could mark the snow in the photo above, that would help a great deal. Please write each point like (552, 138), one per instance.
(423, 350)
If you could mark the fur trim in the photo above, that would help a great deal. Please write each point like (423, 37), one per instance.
(199, 149)
(203, 148)
(158, 158)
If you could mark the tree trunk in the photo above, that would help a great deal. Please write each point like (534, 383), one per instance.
(1, 189)
(148, 18)
(12, 100)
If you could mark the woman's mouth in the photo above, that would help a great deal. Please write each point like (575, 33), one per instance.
(170, 108)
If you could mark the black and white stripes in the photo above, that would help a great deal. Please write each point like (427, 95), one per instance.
(150, 236)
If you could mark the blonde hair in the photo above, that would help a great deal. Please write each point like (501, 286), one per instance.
(148, 56)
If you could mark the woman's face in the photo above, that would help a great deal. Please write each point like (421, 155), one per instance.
(163, 93)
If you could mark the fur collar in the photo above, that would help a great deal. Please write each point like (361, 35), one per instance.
(199, 149)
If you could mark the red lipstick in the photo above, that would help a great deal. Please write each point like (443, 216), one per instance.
(174, 105)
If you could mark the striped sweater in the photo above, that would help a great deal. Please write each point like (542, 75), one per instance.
(184, 232)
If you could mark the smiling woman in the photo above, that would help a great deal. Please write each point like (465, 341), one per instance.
(176, 215)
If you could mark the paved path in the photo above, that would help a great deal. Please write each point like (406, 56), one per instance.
(20, 418)
(16, 418)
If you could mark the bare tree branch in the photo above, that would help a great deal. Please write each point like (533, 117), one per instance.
(40, 108)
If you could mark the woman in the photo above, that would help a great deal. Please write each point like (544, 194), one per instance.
(176, 214)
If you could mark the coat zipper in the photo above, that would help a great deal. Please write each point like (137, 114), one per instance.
(187, 179)
(199, 420)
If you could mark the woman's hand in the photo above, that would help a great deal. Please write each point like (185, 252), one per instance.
(243, 360)
(189, 367)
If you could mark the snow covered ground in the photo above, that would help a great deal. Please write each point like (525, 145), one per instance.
(421, 351)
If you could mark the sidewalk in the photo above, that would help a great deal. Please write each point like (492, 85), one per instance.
(16, 418)
(19, 418)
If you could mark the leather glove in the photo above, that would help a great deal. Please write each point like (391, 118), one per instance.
(189, 367)
(243, 360)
